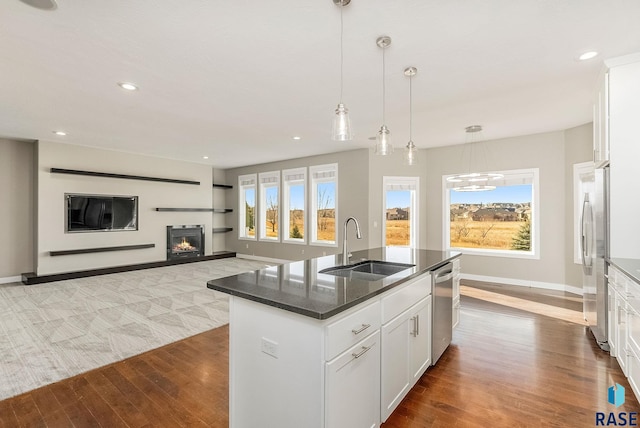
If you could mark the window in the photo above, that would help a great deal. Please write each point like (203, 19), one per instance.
(247, 206)
(400, 219)
(293, 201)
(502, 222)
(269, 206)
(324, 205)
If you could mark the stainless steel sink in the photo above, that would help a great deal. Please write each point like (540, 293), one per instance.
(368, 270)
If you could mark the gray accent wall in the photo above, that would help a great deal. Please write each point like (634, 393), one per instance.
(353, 200)
(554, 154)
(16, 207)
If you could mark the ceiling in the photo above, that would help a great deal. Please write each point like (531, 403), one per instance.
(236, 80)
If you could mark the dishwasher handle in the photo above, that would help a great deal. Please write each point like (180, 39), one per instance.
(444, 274)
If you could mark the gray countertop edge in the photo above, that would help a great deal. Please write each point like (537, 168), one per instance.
(330, 313)
(625, 264)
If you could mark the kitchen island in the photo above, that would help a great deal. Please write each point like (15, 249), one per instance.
(312, 349)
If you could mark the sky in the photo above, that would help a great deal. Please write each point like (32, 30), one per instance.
(296, 197)
(398, 198)
(513, 194)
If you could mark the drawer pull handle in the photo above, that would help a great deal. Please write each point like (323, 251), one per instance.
(361, 329)
(361, 353)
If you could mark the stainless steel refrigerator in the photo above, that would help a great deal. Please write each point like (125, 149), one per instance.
(594, 242)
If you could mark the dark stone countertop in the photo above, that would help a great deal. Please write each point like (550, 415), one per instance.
(631, 267)
(299, 287)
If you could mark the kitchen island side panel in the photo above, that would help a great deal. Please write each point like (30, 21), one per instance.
(292, 380)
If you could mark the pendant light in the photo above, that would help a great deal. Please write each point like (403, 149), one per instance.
(383, 140)
(473, 181)
(411, 151)
(341, 122)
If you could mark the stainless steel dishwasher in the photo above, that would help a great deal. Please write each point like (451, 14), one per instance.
(442, 294)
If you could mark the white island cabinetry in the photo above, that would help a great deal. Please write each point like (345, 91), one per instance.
(291, 370)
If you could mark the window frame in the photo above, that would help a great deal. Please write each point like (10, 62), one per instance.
(533, 254)
(267, 180)
(331, 169)
(245, 182)
(286, 193)
(414, 213)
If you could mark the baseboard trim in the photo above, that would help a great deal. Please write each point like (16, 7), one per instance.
(10, 279)
(524, 283)
(262, 259)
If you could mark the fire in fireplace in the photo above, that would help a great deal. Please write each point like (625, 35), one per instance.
(185, 241)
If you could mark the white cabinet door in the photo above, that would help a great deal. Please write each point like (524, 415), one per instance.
(406, 353)
(420, 343)
(601, 121)
(621, 322)
(396, 369)
(352, 388)
(613, 317)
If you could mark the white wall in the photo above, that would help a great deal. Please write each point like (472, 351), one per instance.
(152, 224)
(17, 206)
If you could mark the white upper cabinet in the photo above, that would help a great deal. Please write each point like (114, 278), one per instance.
(624, 150)
(601, 120)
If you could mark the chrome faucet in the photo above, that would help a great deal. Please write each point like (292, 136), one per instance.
(345, 251)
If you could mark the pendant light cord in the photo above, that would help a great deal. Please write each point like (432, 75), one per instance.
(410, 109)
(383, 88)
(341, 49)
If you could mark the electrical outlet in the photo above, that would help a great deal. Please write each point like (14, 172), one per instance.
(324, 253)
(269, 347)
(375, 224)
(247, 245)
(302, 251)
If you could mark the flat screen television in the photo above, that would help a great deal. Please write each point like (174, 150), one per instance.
(90, 213)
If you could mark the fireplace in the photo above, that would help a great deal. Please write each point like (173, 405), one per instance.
(185, 241)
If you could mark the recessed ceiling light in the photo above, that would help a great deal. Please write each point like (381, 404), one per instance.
(297, 138)
(60, 133)
(205, 157)
(588, 55)
(128, 86)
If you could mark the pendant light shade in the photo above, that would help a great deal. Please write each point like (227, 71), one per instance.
(383, 139)
(473, 181)
(410, 156)
(341, 123)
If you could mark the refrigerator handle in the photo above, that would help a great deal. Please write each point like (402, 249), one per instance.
(583, 237)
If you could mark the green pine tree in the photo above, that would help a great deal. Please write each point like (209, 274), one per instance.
(522, 240)
(295, 232)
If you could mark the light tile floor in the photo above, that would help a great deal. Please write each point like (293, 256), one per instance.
(56, 330)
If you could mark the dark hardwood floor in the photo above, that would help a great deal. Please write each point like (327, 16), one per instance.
(519, 357)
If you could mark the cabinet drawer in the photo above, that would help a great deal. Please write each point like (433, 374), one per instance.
(404, 298)
(347, 331)
(633, 294)
(456, 267)
(352, 386)
(633, 329)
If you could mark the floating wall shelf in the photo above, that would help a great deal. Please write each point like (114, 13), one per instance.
(205, 210)
(222, 229)
(223, 186)
(100, 249)
(124, 176)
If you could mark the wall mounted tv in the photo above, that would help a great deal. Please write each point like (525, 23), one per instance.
(90, 213)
